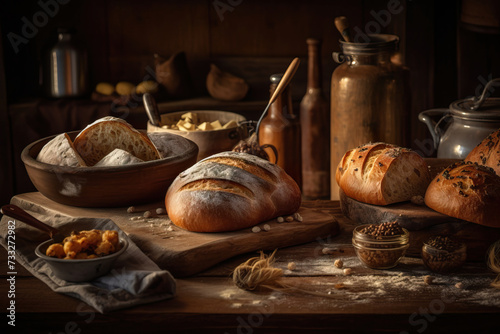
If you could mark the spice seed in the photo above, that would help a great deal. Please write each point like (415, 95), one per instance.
(292, 266)
(338, 263)
(428, 279)
(256, 229)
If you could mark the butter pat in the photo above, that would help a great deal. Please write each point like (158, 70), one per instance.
(205, 126)
(216, 125)
(230, 124)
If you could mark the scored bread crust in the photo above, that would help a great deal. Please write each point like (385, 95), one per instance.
(382, 174)
(61, 152)
(230, 191)
(108, 133)
(487, 152)
(466, 191)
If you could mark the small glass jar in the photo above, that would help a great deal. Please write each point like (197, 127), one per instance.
(380, 252)
(445, 256)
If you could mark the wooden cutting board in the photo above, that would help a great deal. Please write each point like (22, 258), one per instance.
(186, 253)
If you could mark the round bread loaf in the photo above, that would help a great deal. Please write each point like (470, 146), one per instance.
(381, 174)
(108, 133)
(466, 191)
(118, 157)
(61, 152)
(487, 153)
(230, 191)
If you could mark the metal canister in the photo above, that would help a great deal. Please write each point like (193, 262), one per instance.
(369, 98)
(65, 67)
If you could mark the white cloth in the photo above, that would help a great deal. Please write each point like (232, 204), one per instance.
(134, 279)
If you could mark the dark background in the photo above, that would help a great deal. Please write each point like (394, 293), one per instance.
(451, 47)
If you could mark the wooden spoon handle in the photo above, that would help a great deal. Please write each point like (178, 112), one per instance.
(342, 25)
(16, 212)
(285, 80)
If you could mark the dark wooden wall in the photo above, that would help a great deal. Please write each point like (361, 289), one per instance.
(252, 39)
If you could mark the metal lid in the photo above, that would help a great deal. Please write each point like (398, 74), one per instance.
(372, 44)
(489, 110)
(482, 108)
(276, 78)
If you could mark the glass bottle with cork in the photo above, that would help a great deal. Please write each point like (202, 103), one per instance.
(315, 129)
(281, 129)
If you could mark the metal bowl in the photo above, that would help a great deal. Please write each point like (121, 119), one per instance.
(212, 141)
(79, 270)
(113, 186)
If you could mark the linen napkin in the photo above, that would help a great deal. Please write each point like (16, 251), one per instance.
(134, 279)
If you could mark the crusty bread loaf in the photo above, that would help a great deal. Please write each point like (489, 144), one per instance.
(381, 174)
(118, 157)
(467, 191)
(108, 133)
(60, 151)
(487, 153)
(230, 191)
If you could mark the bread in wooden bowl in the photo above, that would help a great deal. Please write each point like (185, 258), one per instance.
(382, 174)
(230, 191)
(61, 152)
(487, 153)
(467, 191)
(108, 133)
(110, 186)
(118, 157)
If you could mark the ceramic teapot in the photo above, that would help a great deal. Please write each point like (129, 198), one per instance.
(464, 124)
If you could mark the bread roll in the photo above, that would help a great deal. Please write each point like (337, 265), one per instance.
(106, 134)
(487, 153)
(61, 152)
(467, 191)
(381, 174)
(118, 157)
(230, 191)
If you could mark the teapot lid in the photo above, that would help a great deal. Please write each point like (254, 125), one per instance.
(489, 109)
(482, 108)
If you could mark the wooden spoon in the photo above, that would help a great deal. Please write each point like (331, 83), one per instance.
(16, 212)
(342, 25)
(285, 80)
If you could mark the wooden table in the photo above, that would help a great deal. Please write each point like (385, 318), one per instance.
(368, 301)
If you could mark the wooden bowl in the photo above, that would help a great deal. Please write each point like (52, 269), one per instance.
(212, 141)
(113, 186)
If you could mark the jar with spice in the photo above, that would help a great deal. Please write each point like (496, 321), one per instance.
(380, 246)
(315, 129)
(281, 129)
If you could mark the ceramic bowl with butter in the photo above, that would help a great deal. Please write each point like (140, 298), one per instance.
(212, 130)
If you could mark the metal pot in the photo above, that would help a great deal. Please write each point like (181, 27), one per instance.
(464, 124)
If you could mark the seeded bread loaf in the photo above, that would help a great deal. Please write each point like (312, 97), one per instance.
(61, 152)
(487, 153)
(466, 191)
(230, 191)
(382, 174)
(108, 133)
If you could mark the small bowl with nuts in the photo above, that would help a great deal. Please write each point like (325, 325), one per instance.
(380, 246)
(442, 254)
